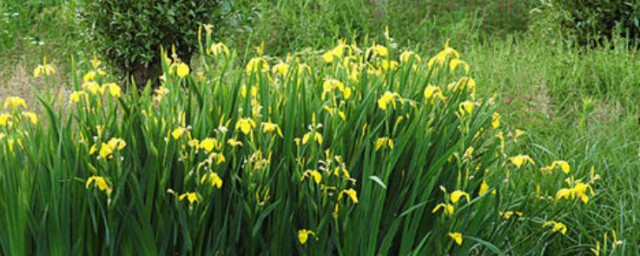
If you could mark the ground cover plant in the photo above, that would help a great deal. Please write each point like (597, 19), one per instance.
(567, 105)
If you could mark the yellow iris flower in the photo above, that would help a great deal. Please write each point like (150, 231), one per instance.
(208, 144)
(316, 137)
(182, 70)
(245, 125)
(218, 48)
(270, 127)
(557, 226)
(303, 235)
(316, 175)
(114, 89)
(89, 76)
(280, 68)
(351, 193)
(433, 92)
(107, 149)
(448, 209)
(456, 236)
(484, 188)
(563, 165)
(407, 56)
(31, 116)
(14, 103)
(190, 196)
(579, 190)
(99, 182)
(44, 69)
(332, 84)
(257, 64)
(456, 195)
(178, 132)
(495, 120)
(389, 98)
(520, 160)
(218, 157)
(5, 119)
(384, 142)
(466, 107)
(213, 179)
(234, 143)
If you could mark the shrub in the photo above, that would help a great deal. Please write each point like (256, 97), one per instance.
(130, 33)
(590, 22)
(349, 152)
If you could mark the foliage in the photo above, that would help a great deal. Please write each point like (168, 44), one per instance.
(590, 22)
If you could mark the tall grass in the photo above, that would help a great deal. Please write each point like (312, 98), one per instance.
(575, 104)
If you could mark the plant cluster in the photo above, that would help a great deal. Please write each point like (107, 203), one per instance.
(354, 151)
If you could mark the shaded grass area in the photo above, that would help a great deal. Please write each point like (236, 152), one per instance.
(575, 104)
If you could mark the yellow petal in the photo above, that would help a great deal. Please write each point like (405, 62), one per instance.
(105, 150)
(317, 177)
(208, 144)
(177, 133)
(456, 195)
(31, 116)
(182, 70)
(114, 90)
(484, 187)
(234, 143)
(456, 236)
(564, 166)
(563, 193)
(14, 103)
(351, 193)
(495, 122)
(303, 235)
(213, 178)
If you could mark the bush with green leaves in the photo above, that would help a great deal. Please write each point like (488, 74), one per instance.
(590, 22)
(130, 33)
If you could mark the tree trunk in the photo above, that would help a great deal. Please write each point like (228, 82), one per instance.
(142, 75)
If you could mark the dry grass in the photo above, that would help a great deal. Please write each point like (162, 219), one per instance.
(607, 112)
(541, 100)
(19, 81)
